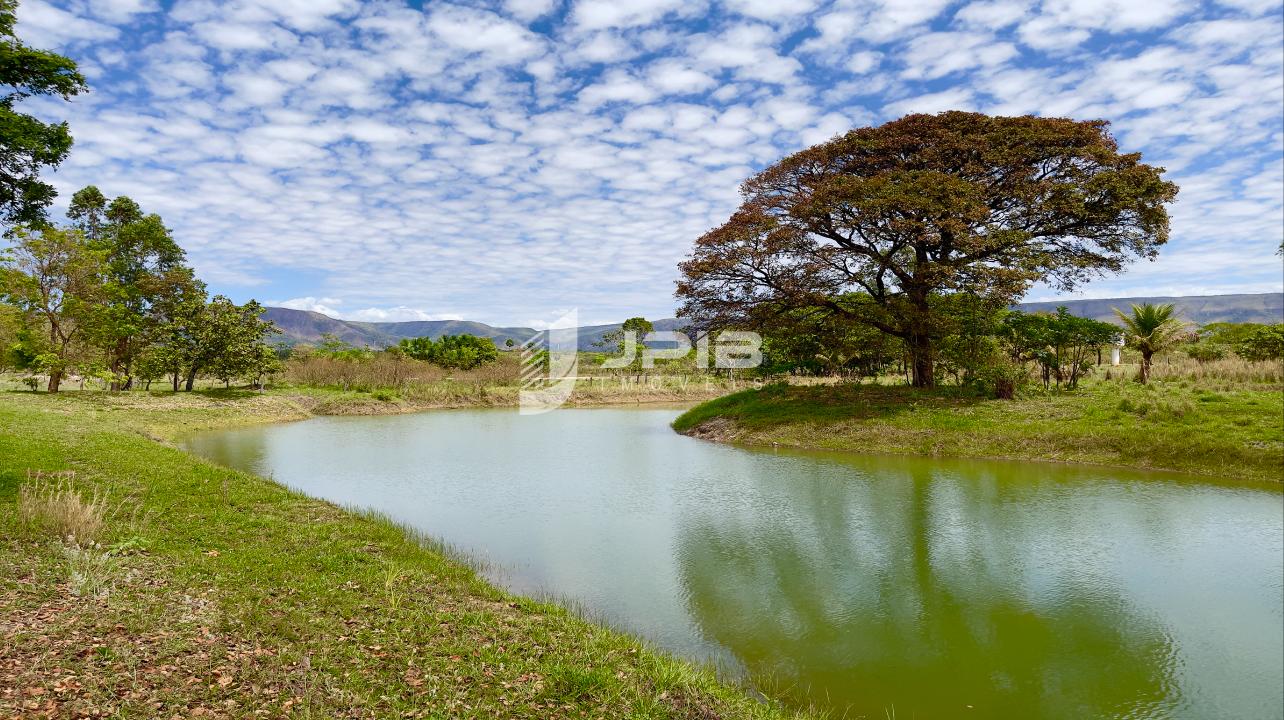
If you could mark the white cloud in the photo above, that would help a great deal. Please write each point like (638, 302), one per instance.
(771, 9)
(550, 154)
(528, 10)
(478, 31)
(935, 55)
(598, 14)
(40, 23)
(952, 99)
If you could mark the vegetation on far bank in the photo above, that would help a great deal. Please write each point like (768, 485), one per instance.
(191, 589)
(1225, 421)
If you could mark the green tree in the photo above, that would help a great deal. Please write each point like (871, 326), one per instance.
(1150, 329)
(87, 211)
(926, 206)
(1264, 343)
(463, 352)
(617, 340)
(222, 339)
(27, 144)
(1227, 333)
(55, 278)
(141, 254)
(813, 342)
(1061, 343)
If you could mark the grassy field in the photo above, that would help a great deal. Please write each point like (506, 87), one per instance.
(205, 592)
(365, 396)
(1207, 426)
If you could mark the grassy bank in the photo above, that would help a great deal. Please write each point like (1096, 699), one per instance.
(432, 394)
(1208, 427)
(209, 592)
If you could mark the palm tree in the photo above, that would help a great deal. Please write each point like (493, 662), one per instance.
(1150, 329)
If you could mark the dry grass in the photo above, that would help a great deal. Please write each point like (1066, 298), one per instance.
(1232, 369)
(387, 372)
(48, 501)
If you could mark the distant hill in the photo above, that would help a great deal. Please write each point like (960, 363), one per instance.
(303, 326)
(1198, 309)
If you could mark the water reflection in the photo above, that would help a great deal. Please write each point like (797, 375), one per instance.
(920, 587)
(919, 592)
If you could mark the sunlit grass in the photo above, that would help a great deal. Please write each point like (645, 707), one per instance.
(238, 596)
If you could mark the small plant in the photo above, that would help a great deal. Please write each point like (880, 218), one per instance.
(32, 383)
(47, 501)
(384, 395)
(392, 575)
(90, 569)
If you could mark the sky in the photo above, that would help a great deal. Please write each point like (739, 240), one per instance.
(511, 160)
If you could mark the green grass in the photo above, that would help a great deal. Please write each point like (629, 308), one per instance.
(1221, 429)
(228, 595)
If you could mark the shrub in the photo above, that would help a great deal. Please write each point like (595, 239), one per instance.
(1265, 343)
(1003, 377)
(463, 352)
(48, 502)
(1206, 351)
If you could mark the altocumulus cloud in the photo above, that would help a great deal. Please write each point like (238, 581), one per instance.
(497, 162)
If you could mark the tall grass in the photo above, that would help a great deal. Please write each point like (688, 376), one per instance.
(396, 373)
(48, 501)
(1231, 370)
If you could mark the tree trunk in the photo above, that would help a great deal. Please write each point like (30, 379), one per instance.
(921, 357)
(175, 380)
(55, 378)
(1144, 374)
(191, 379)
(118, 363)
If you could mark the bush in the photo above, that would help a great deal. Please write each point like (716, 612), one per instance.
(1266, 343)
(1206, 351)
(1003, 377)
(463, 352)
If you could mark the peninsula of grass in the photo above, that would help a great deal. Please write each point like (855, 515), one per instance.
(192, 590)
(1229, 430)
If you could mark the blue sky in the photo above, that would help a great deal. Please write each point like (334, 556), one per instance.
(505, 161)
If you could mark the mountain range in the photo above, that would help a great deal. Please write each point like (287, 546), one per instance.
(304, 326)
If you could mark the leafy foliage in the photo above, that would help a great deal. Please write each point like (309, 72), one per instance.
(1264, 343)
(54, 278)
(463, 352)
(113, 299)
(27, 144)
(1150, 329)
(1062, 344)
(922, 207)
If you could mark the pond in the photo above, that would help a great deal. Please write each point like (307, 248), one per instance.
(877, 586)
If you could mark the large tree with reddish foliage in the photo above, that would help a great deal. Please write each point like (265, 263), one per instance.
(881, 223)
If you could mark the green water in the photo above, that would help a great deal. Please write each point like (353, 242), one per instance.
(877, 586)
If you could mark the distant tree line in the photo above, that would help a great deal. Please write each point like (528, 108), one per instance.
(109, 295)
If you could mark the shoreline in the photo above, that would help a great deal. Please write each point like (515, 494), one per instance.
(231, 593)
(1085, 428)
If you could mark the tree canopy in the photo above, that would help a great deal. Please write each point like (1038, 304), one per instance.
(27, 144)
(874, 224)
(463, 352)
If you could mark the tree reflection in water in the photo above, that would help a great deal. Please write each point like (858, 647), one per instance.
(930, 600)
